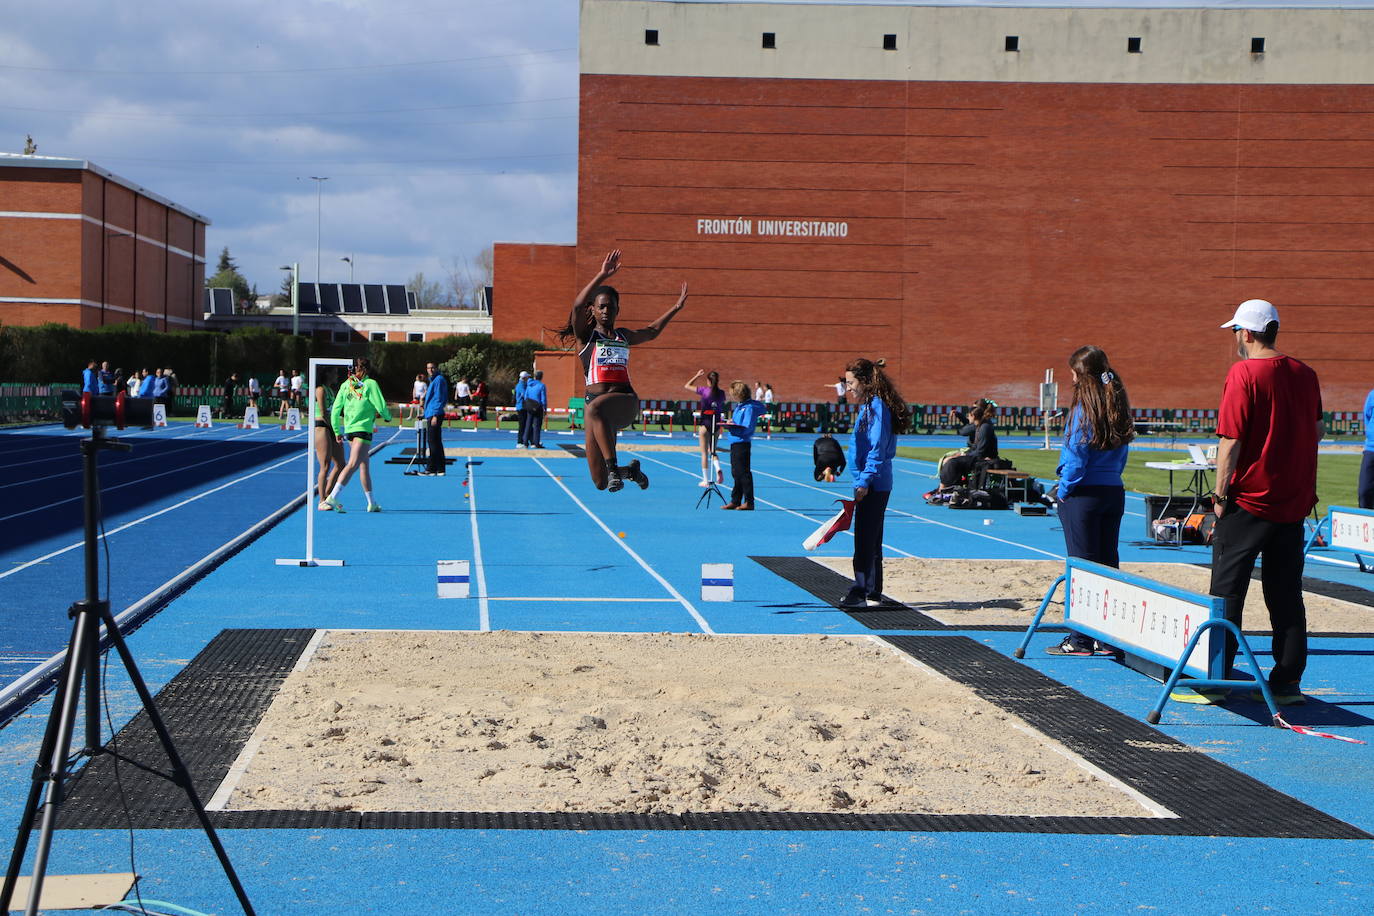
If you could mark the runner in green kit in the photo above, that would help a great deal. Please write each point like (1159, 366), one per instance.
(356, 408)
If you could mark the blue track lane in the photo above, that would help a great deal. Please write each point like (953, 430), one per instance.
(538, 543)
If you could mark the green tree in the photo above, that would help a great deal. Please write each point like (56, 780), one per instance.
(282, 298)
(227, 275)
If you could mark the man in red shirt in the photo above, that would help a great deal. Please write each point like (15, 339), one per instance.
(1270, 422)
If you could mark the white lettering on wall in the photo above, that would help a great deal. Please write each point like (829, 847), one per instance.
(803, 228)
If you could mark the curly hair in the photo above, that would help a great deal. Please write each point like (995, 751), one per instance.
(567, 333)
(1107, 422)
(874, 380)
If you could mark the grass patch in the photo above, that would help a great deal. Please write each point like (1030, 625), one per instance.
(1337, 474)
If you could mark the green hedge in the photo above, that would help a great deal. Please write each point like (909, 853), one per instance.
(58, 351)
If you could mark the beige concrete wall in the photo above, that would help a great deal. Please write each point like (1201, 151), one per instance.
(1303, 45)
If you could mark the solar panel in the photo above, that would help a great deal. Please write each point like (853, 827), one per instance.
(222, 301)
(396, 302)
(307, 299)
(352, 298)
(410, 299)
(329, 298)
(374, 296)
(206, 306)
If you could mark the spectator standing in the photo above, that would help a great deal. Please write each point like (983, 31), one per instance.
(435, 402)
(1092, 497)
(882, 415)
(90, 379)
(328, 450)
(105, 380)
(520, 408)
(172, 382)
(739, 436)
(536, 403)
(758, 391)
(160, 386)
(231, 389)
(711, 409)
(1367, 460)
(480, 394)
(416, 408)
(145, 384)
(254, 390)
(462, 393)
(1269, 423)
(133, 382)
(297, 388)
(280, 385)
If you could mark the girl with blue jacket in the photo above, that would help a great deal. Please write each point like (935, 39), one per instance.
(1091, 495)
(882, 415)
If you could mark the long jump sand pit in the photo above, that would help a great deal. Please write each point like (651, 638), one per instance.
(1007, 592)
(649, 723)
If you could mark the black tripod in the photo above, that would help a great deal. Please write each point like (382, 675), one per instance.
(82, 664)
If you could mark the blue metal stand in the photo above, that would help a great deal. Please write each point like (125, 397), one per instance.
(1153, 717)
(1035, 621)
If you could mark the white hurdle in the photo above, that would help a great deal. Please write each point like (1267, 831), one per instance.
(310, 559)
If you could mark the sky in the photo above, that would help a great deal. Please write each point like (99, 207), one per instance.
(441, 125)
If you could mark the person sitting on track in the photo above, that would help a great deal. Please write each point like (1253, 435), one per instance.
(356, 408)
(611, 402)
(712, 410)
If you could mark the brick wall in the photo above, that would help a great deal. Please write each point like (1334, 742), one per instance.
(992, 228)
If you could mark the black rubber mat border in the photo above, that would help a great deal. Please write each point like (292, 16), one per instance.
(215, 702)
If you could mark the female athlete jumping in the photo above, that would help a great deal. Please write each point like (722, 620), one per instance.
(611, 402)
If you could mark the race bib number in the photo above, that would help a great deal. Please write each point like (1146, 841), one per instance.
(610, 362)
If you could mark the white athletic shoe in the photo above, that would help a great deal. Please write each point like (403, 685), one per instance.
(373, 507)
(704, 484)
(335, 505)
(324, 506)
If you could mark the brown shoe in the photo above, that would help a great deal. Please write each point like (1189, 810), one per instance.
(746, 507)
(730, 506)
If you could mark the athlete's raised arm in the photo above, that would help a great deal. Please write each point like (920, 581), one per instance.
(643, 335)
(581, 319)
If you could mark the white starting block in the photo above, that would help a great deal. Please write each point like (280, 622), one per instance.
(203, 417)
(453, 579)
(159, 415)
(717, 582)
(1347, 529)
(293, 420)
(1176, 629)
(250, 418)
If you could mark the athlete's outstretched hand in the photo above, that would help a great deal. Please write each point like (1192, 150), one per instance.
(611, 264)
(682, 299)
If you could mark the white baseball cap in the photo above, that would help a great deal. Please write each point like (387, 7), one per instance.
(1253, 315)
(524, 374)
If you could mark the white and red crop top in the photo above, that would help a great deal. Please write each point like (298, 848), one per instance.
(607, 359)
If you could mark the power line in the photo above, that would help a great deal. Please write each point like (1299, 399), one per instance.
(281, 114)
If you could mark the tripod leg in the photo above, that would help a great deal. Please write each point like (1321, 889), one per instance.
(57, 743)
(181, 775)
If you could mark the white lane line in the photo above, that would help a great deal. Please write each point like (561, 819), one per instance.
(483, 605)
(773, 505)
(234, 776)
(598, 600)
(131, 483)
(152, 515)
(701, 621)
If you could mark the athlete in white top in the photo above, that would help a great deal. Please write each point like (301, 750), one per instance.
(611, 402)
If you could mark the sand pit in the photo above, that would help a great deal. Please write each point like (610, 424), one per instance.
(1007, 592)
(649, 723)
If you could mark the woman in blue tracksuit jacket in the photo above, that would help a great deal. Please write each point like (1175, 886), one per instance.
(1091, 496)
(882, 415)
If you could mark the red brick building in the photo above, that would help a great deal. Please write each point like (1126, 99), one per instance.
(970, 192)
(81, 246)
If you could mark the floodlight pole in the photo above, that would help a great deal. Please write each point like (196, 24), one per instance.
(319, 204)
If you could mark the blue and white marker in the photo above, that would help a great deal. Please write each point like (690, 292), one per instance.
(453, 579)
(717, 582)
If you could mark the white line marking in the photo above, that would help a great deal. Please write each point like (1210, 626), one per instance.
(483, 607)
(597, 599)
(765, 502)
(132, 483)
(701, 621)
(152, 515)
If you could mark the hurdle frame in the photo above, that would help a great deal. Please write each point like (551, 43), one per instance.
(310, 559)
(1205, 672)
(1365, 534)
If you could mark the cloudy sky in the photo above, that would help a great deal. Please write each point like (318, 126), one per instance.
(442, 125)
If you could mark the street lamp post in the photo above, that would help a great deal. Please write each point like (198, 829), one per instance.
(349, 259)
(295, 268)
(319, 198)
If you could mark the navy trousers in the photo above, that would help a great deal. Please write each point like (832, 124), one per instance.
(1367, 481)
(868, 542)
(1091, 516)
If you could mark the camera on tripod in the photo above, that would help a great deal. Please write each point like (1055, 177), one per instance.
(120, 410)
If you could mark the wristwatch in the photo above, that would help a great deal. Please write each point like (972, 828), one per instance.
(1220, 498)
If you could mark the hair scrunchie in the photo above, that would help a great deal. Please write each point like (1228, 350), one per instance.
(1107, 377)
